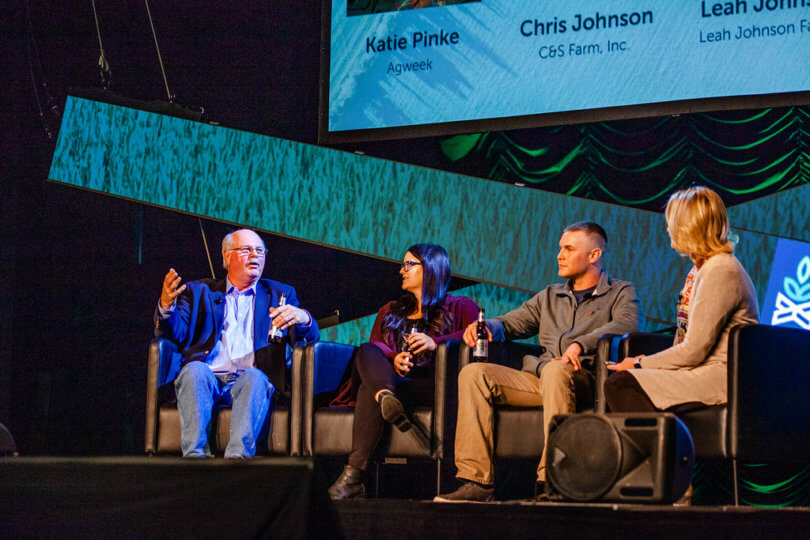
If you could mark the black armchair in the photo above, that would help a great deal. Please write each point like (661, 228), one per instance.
(327, 431)
(519, 430)
(280, 434)
(765, 418)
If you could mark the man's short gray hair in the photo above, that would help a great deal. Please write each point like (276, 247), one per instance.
(227, 243)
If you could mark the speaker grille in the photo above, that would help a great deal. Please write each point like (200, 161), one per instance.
(632, 457)
(585, 457)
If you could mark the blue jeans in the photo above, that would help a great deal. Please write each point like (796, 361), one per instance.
(199, 390)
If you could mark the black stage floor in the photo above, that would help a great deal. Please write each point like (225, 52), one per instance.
(414, 519)
(163, 497)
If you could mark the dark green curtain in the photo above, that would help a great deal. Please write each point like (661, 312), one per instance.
(743, 155)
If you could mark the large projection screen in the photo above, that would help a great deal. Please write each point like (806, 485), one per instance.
(473, 65)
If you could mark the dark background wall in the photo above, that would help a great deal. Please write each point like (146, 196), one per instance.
(80, 271)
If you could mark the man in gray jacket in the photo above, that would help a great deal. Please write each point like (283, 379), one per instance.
(568, 319)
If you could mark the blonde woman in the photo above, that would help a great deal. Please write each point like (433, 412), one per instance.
(717, 296)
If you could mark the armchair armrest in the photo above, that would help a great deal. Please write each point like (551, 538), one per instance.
(607, 351)
(615, 348)
(445, 397)
(296, 399)
(162, 367)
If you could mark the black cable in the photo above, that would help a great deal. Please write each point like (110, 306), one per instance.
(157, 48)
(103, 64)
(207, 251)
(33, 54)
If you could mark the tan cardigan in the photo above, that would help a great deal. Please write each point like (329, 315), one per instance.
(695, 369)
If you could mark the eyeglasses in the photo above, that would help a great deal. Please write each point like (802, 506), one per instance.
(260, 251)
(407, 265)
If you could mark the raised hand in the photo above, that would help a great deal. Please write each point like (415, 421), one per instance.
(171, 289)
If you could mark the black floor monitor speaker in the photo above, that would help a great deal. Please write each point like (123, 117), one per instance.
(642, 457)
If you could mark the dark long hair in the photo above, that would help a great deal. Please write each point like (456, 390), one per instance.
(435, 280)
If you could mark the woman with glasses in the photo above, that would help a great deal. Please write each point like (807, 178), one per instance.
(717, 296)
(404, 337)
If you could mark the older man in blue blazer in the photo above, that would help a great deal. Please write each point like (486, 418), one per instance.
(221, 328)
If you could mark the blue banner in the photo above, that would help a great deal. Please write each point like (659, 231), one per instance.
(787, 302)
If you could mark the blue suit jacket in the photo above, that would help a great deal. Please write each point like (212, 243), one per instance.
(196, 324)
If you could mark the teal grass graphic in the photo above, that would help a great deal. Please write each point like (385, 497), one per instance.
(782, 214)
(499, 234)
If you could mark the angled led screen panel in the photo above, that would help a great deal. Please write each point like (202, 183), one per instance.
(496, 233)
(786, 213)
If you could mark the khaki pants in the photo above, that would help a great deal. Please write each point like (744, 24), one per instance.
(482, 386)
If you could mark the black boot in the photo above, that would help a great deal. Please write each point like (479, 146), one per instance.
(349, 485)
(392, 411)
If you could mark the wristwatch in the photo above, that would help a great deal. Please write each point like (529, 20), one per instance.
(637, 363)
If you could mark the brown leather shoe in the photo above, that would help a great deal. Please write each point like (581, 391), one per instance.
(469, 492)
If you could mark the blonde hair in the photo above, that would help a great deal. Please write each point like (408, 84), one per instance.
(698, 224)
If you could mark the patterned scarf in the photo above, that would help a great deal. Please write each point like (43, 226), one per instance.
(682, 314)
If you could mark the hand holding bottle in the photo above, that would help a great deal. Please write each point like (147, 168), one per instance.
(419, 343)
(402, 363)
(287, 315)
(477, 336)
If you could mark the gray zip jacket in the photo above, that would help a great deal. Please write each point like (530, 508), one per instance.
(553, 314)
